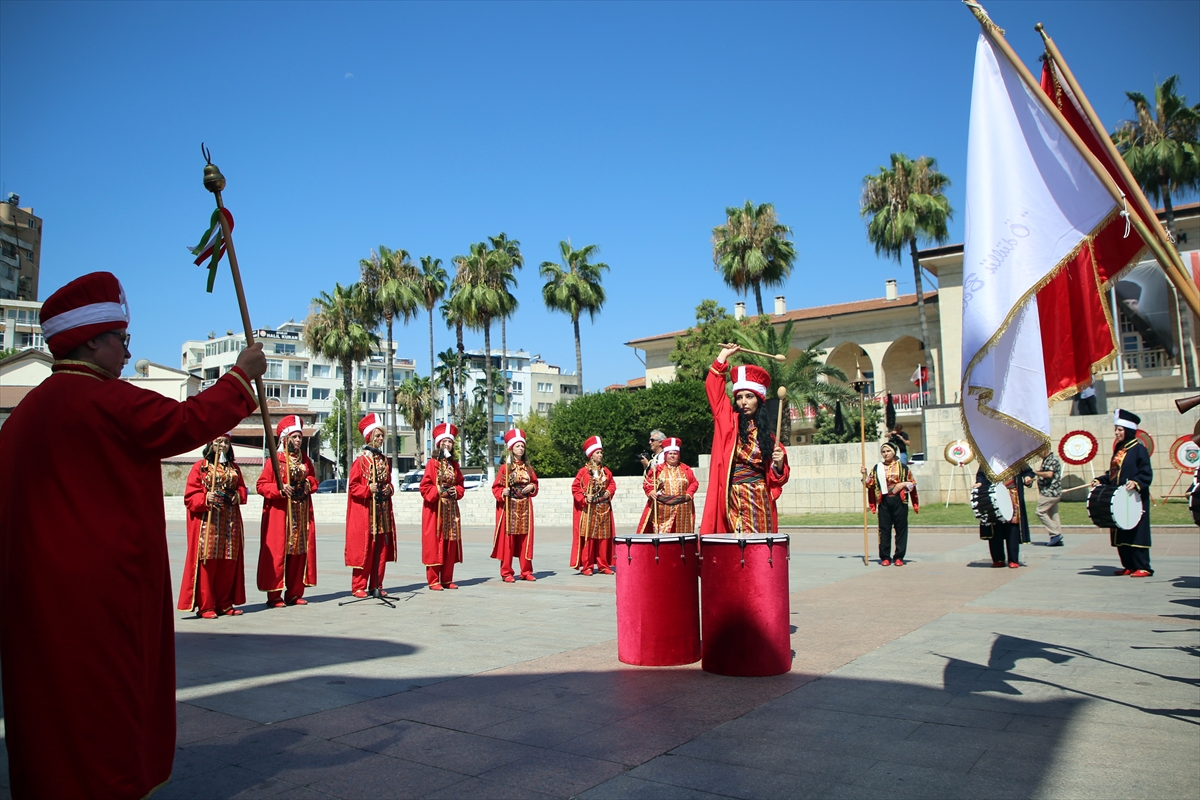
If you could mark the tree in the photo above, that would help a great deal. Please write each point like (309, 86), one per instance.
(334, 428)
(907, 203)
(475, 432)
(479, 392)
(338, 328)
(1161, 150)
(545, 458)
(446, 375)
(480, 290)
(825, 433)
(573, 287)
(512, 249)
(414, 397)
(390, 281)
(431, 286)
(454, 320)
(752, 249)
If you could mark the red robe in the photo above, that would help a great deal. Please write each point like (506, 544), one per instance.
(725, 431)
(273, 533)
(358, 515)
(432, 549)
(498, 486)
(579, 489)
(89, 680)
(653, 513)
(195, 498)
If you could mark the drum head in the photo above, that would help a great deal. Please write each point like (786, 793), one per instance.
(1185, 455)
(959, 452)
(1078, 447)
(1126, 508)
(1002, 501)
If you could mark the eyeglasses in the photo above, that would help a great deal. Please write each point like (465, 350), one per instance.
(124, 337)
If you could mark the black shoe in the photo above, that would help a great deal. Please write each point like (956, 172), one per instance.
(1055, 543)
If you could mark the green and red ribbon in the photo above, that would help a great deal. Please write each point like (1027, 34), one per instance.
(212, 244)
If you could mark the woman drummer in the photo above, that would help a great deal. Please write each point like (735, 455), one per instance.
(1130, 468)
(214, 573)
(1007, 535)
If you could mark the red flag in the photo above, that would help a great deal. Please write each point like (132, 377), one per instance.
(1079, 336)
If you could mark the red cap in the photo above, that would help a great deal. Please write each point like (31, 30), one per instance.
(671, 445)
(444, 431)
(82, 310)
(751, 378)
(513, 436)
(592, 445)
(369, 423)
(288, 425)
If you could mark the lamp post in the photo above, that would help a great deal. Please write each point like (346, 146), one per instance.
(860, 386)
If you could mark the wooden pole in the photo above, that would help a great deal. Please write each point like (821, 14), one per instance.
(862, 434)
(214, 181)
(995, 35)
(1139, 196)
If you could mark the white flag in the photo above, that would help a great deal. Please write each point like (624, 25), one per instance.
(1032, 201)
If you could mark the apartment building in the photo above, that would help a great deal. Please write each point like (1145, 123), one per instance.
(298, 382)
(20, 250)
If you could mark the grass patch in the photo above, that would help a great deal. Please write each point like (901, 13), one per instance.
(1173, 513)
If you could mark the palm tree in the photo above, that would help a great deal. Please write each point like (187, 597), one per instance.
(415, 399)
(573, 288)
(480, 290)
(390, 280)
(447, 375)
(1161, 150)
(512, 249)
(454, 319)
(752, 249)
(907, 203)
(338, 328)
(479, 392)
(431, 286)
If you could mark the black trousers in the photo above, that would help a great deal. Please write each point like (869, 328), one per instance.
(1006, 536)
(893, 513)
(1135, 558)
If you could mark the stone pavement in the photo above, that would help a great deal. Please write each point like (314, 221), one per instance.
(943, 678)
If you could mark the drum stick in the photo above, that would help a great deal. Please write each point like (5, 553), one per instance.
(782, 395)
(777, 356)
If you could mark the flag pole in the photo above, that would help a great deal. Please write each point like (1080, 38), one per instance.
(996, 36)
(860, 385)
(1139, 196)
(214, 181)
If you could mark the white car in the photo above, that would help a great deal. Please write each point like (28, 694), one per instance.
(474, 481)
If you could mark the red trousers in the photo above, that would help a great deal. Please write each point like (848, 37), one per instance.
(370, 576)
(513, 546)
(443, 574)
(214, 585)
(596, 552)
(293, 577)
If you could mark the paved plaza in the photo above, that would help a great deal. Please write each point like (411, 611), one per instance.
(943, 678)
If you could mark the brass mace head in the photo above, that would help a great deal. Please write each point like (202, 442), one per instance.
(214, 181)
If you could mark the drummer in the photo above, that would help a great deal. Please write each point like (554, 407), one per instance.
(670, 488)
(1007, 535)
(889, 486)
(1130, 467)
(748, 465)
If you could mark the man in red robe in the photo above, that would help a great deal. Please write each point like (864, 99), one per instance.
(287, 555)
(670, 489)
(441, 525)
(89, 682)
(214, 571)
(370, 522)
(514, 488)
(748, 466)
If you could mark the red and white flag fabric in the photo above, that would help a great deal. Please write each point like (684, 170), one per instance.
(920, 377)
(1034, 205)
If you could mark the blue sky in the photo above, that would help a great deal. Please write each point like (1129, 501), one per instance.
(344, 126)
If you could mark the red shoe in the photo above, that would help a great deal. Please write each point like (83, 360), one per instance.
(235, 612)
(1141, 573)
(885, 562)
(1121, 572)
(899, 562)
(208, 615)
(528, 576)
(359, 593)
(297, 601)
(587, 572)
(382, 593)
(435, 587)
(1013, 565)
(509, 579)
(451, 585)
(996, 564)
(605, 571)
(276, 604)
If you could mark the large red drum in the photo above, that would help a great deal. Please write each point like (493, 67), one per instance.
(745, 617)
(658, 602)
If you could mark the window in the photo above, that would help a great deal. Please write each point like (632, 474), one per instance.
(320, 394)
(274, 370)
(296, 370)
(285, 349)
(338, 373)
(369, 398)
(273, 390)
(515, 409)
(569, 388)
(212, 374)
(375, 377)
(544, 407)
(297, 391)
(27, 340)
(27, 316)
(322, 416)
(518, 387)
(545, 387)
(320, 371)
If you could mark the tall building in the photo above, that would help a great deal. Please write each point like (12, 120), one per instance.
(299, 382)
(20, 250)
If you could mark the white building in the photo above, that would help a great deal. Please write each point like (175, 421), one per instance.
(296, 379)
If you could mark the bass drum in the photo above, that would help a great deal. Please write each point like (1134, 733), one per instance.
(1114, 507)
(1194, 502)
(992, 505)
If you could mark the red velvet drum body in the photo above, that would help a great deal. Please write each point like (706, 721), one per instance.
(658, 603)
(744, 605)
